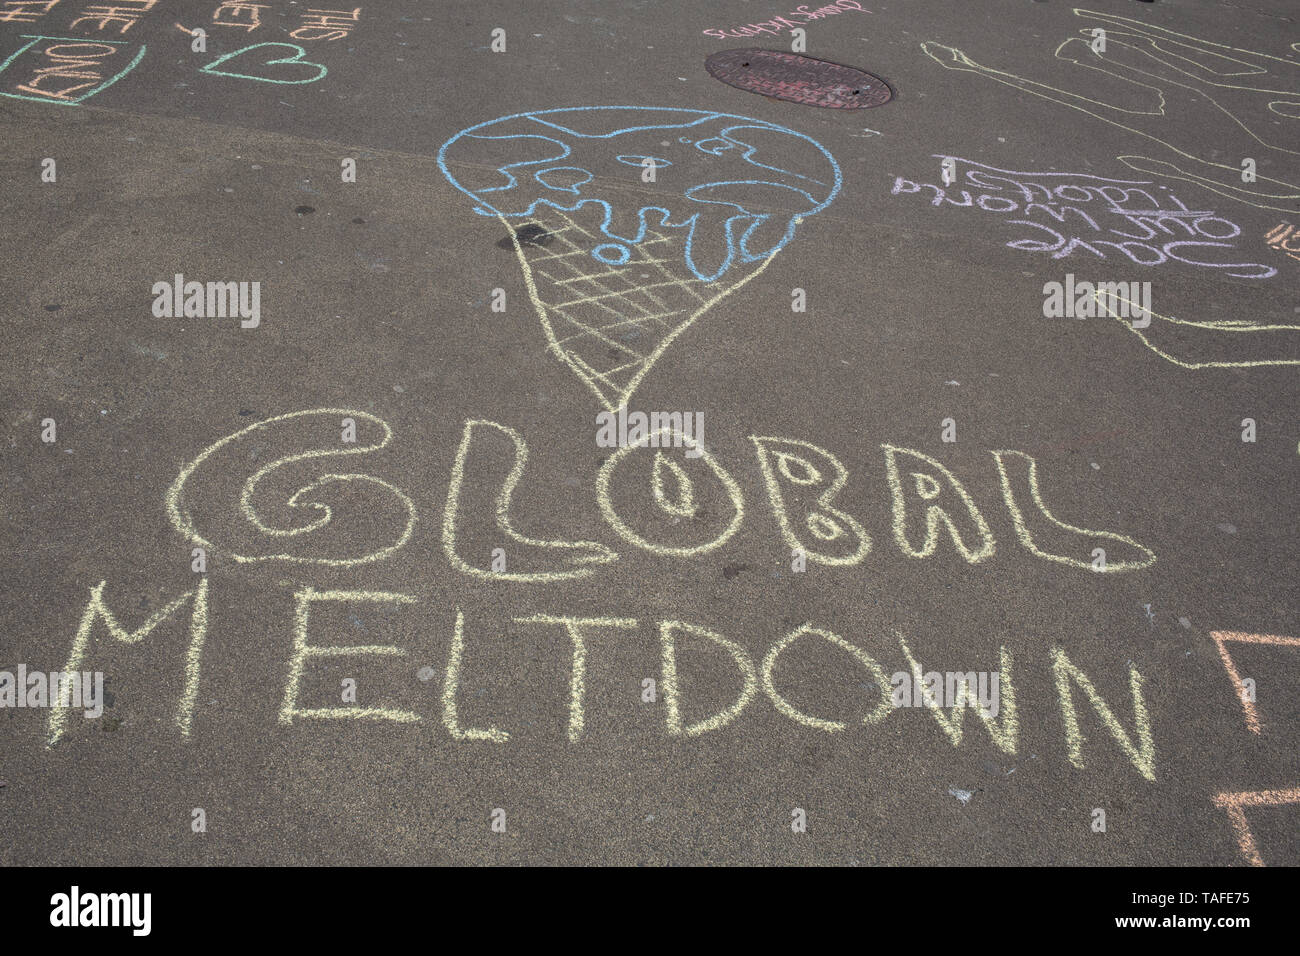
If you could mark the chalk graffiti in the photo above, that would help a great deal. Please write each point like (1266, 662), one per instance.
(259, 62)
(546, 560)
(123, 14)
(97, 611)
(685, 493)
(648, 499)
(1019, 470)
(303, 651)
(1145, 228)
(576, 628)
(69, 71)
(327, 25)
(1195, 345)
(1128, 217)
(795, 461)
(239, 15)
(668, 631)
(451, 683)
(1237, 803)
(759, 676)
(66, 71)
(978, 542)
(623, 278)
(25, 11)
(317, 23)
(1142, 754)
(1004, 730)
(1221, 640)
(325, 423)
(884, 707)
(778, 25)
(1281, 237)
(1175, 76)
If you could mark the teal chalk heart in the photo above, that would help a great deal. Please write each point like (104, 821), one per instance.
(258, 61)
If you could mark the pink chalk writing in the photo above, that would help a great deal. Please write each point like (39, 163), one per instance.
(778, 25)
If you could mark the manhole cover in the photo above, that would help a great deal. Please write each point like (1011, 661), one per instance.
(798, 79)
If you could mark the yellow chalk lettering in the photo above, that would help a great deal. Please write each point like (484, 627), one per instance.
(927, 488)
(302, 652)
(97, 610)
(1016, 469)
(672, 689)
(1004, 732)
(178, 510)
(830, 726)
(1143, 755)
(574, 626)
(578, 557)
(451, 682)
(682, 502)
(838, 538)
(670, 437)
(198, 632)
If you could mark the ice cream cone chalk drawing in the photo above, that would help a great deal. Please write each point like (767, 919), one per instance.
(632, 222)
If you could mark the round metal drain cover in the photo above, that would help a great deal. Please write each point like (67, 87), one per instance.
(798, 79)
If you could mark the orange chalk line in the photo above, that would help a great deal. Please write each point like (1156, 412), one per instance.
(1221, 638)
(1235, 804)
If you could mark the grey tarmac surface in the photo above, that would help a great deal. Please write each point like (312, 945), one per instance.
(376, 305)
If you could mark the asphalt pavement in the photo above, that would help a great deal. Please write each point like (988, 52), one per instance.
(373, 569)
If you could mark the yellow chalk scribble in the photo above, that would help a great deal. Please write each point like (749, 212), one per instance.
(882, 710)
(97, 610)
(302, 652)
(927, 488)
(1027, 477)
(668, 437)
(1143, 755)
(1005, 730)
(182, 521)
(451, 683)
(522, 549)
(671, 688)
(574, 626)
(825, 524)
